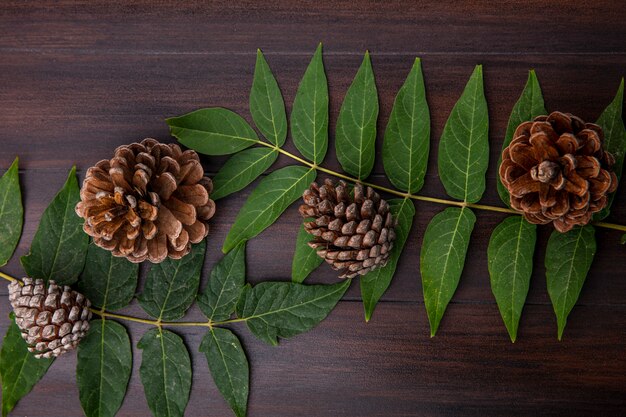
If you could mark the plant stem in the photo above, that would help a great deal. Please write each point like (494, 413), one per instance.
(413, 196)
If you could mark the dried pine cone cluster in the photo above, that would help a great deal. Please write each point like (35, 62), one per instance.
(150, 201)
(556, 171)
(353, 233)
(52, 319)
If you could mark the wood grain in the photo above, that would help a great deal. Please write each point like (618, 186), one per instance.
(81, 78)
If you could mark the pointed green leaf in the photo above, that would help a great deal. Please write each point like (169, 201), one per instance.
(103, 368)
(241, 169)
(11, 212)
(614, 140)
(528, 106)
(266, 103)
(407, 138)
(213, 131)
(355, 135)
(229, 367)
(19, 369)
(464, 145)
(375, 283)
(228, 277)
(107, 281)
(286, 309)
(165, 372)
(442, 258)
(568, 259)
(267, 202)
(510, 256)
(172, 285)
(59, 247)
(309, 116)
(305, 259)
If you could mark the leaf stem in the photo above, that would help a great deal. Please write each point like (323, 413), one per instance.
(414, 196)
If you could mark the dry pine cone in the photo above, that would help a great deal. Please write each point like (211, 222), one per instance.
(353, 233)
(150, 201)
(556, 171)
(52, 319)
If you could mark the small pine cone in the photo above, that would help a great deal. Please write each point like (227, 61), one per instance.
(52, 319)
(353, 233)
(556, 170)
(150, 201)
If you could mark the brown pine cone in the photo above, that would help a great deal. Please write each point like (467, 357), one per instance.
(52, 319)
(353, 233)
(556, 171)
(150, 201)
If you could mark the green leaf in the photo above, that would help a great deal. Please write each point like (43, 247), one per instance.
(510, 255)
(442, 258)
(464, 145)
(528, 106)
(165, 372)
(228, 277)
(614, 140)
(241, 169)
(623, 239)
(568, 259)
(11, 212)
(407, 138)
(285, 309)
(107, 281)
(213, 131)
(355, 135)
(267, 202)
(19, 369)
(266, 103)
(309, 115)
(59, 247)
(229, 366)
(172, 285)
(103, 368)
(305, 259)
(375, 283)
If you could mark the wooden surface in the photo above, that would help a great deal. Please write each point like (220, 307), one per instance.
(77, 80)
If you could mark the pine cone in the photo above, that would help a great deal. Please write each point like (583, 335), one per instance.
(52, 319)
(556, 171)
(150, 201)
(353, 233)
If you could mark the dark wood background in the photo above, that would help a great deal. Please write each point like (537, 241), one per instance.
(77, 80)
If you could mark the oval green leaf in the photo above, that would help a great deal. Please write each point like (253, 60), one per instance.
(227, 280)
(19, 369)
(528, 106)
(165, 372)
(305, 259)
(60, 245)
(285, 309)
(442, 258)
(614, 140)
(11, 212)
(375, 283)
(355, 135)
(568, 259)
(229, 367)
(241, 169)
(213, 131)
(172, 285)
(267, 202)
(103, 368)
(107, 281)
(510, 255)
(266, 103)
(464, 144)
(309, 115)
(407, 138)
